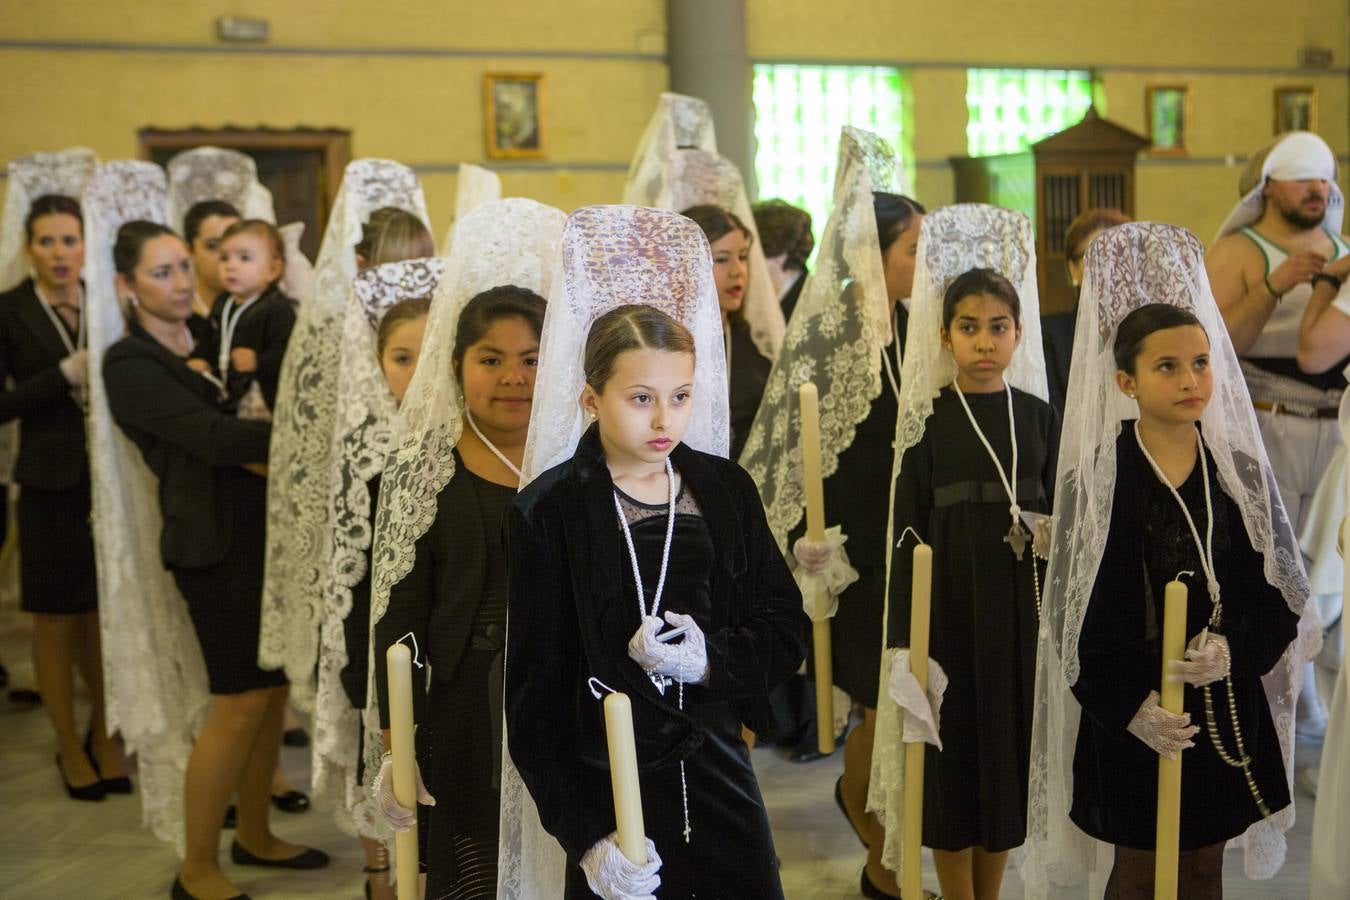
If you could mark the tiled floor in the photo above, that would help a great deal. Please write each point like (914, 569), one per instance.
(54, 848)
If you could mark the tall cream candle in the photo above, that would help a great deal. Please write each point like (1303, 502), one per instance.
(623, 776)
(402, 748)
(921, 591)
(814, 488)
(1169, 770)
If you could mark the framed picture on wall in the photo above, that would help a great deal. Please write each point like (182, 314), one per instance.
(1295, 108)
(1168, 108)
(515, 116)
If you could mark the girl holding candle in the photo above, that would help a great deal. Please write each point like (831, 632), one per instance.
(1164, 434)
(630, 514)
(975, 450)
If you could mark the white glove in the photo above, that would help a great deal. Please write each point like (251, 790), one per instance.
(614, 876)
(399, 817)
(1042, 534)
(684, 659)
(75, 368)
(1205, 665)
(920, 709)
(252, 406)
(1165, 733)
(812, 556)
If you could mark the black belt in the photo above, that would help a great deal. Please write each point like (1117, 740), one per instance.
(1028, 491)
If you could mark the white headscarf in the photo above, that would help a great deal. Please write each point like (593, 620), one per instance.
(674, 175)
(611, 256)
(1294, 156)
(64, 172)
(952, 241)
(299, 487)
(474, 186)
(155, 680)
(361, 440)
(1127, 267)
(217, 173)
(835, 338)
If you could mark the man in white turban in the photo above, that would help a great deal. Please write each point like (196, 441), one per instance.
(1277, 263)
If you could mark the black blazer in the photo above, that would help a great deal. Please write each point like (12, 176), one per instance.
(170, 413)
(569, 622)
(52, 453)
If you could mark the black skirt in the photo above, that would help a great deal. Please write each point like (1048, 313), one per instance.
(855, 636)
(56, 551)
(225, 600)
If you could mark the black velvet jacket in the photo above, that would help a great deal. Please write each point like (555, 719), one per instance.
(571, 621)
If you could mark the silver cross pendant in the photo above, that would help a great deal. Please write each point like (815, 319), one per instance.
(661, 681)
(1017, 538)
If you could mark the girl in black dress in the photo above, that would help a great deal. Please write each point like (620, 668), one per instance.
(690, 548)
(42, 349)
(213, 502)
(987, 453)
(452, 603)
(1170, 515)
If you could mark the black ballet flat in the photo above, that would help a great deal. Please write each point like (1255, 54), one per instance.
(291, 802)
(839, 802)
(307, 859)
(25, 697)
(295, 737)
(178, 892)
(119, 785)
(872, 892)
(92, 792)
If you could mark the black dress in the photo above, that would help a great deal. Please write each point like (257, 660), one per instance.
(454, 603)
(214, 511)
(983, 619)
(56, 543)
(748, 373)
(573, 610)
(1115, 775)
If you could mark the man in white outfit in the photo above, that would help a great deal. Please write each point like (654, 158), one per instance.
(1279, 246)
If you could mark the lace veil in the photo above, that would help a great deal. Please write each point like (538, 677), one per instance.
(835, 338)
(361, 438)
(1127, 267)
(611, 256)
(680, 175)
(300, 485)
(474, 186)
(63, 172)
(952, 241)
(156, 684)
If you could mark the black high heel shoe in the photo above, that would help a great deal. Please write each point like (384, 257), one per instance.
(291, 801)
(92, 792)
(178, 892)
(119, 785)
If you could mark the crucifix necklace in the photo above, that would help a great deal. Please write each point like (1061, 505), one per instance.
(1017, 536)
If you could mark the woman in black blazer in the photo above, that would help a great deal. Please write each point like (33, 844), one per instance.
(43, 364)
(214, 510)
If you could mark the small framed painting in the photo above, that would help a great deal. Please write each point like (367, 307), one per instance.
(1168, 107)
(515, 111)
(1295, 108)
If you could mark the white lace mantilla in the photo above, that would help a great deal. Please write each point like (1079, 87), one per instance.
(474, 186)
(835, 338)
(300, 485)
(215, 173)
(952, 241)
(155, 680)
(1127, 267)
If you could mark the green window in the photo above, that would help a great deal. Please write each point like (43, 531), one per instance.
(1011, 109)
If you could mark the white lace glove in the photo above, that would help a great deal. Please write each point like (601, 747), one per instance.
(75, 368)
(614, 876)
(1165, 733)
(399, 817)
(920, 709)
(684, 659)
(1202, 665)
(822, 573)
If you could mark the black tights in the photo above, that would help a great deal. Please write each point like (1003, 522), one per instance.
(1199, 874)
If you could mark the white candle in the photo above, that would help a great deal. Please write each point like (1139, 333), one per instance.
(1167, 846)
(623, 777)
(813, 486)
(921, 589)
(402, 748)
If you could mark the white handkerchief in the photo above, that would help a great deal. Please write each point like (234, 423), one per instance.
(921, 711)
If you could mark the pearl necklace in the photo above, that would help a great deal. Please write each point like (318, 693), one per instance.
(515, 470)
(1206, 551)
